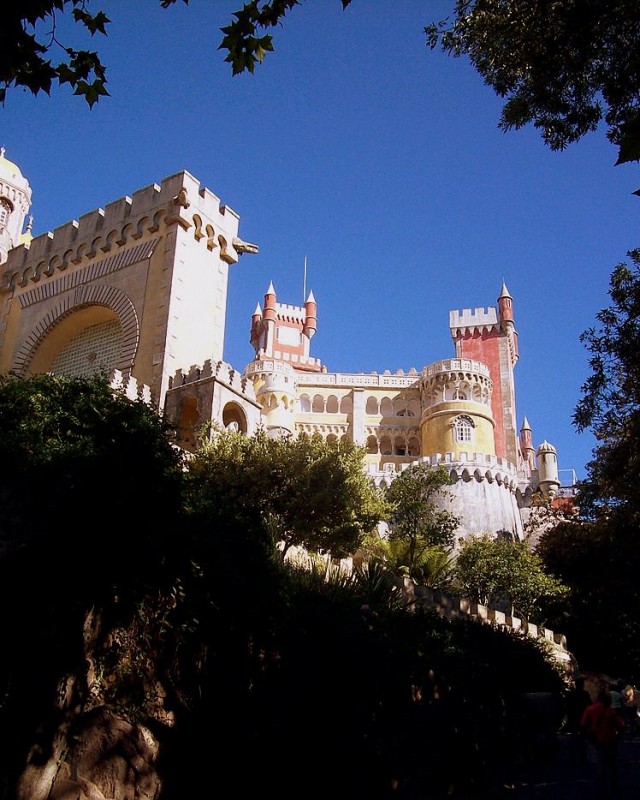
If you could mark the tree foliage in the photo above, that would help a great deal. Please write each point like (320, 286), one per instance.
(416, 517)
(71, 446)
(565, 66)
(600, 615)
(27, 38)
(610, 403)
(600, 559)
(301, 491)
(124, 602)
(500, 572)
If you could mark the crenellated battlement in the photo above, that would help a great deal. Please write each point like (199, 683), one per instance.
(477, 466)
(453, 607)
(220, 370)
(129, 386)
(290, 313)
(464, 466)
(178, 200)
(468, 321)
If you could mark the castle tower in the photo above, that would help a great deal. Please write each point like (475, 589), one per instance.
(139, 286)
(284, 332)
(15, 201)
(526, 446)
(456, 402)
(280, 336)
(548, 480)
(458, 430)
(488, 335)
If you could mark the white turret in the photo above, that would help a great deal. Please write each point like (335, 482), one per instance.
(548, 470)
(15, 201)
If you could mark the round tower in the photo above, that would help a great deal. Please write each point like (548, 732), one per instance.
(15, 201)
(457, 431)
(456, 408)
(548, 480)
(275, 388)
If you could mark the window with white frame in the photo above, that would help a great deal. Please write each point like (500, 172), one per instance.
(463, 427)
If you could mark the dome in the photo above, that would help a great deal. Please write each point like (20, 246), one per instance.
(545, 447)
(8, 167)
(15, 189)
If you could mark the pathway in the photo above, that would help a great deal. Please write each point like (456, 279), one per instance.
(558, 775)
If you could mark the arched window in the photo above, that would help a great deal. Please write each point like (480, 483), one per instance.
(346, 405)
(92, 351)
(413, 408)
(188, 421)
(332, 404)
(463, 426)
(385, 446)
(305, 403)
(372, 406)
(400, 407)
(233, 418)
(386, 407)
(372, 445)
(5, 210)
(318, 404)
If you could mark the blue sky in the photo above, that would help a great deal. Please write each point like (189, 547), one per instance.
(378, 160)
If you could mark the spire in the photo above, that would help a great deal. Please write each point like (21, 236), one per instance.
(525, 425)
(504, 292)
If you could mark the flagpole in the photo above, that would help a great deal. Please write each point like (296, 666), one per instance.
(304, 283)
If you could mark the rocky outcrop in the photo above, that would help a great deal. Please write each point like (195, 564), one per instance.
(97, 757)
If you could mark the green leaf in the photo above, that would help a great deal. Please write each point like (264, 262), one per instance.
(629, 140)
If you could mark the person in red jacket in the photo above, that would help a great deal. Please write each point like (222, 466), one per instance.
(603, 727)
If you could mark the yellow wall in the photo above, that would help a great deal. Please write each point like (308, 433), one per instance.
(438, 430)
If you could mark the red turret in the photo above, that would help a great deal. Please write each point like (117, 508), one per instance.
(311, 316)
(505, 304)
(256, 328)
(270, 304)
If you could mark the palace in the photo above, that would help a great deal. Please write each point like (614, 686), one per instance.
(138, 290)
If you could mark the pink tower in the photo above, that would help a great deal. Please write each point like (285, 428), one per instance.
(488, 335)
(283, 332)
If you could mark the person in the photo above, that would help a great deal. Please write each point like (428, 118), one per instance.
(603, 727)
(576, 702)
(630, 710)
